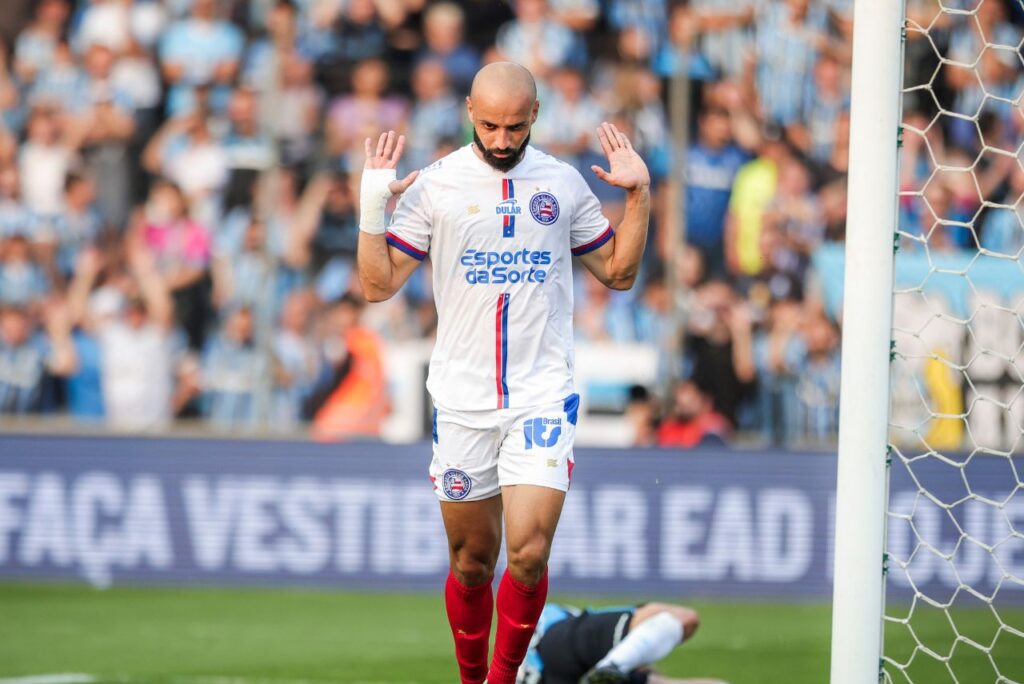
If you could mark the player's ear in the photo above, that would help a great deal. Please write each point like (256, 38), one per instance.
(536, 108)
(469, 109)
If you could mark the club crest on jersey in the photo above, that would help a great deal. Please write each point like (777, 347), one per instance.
(544, 208)
(456, 484)
(509, 207)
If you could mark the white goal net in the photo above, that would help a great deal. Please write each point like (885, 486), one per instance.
(955, 533)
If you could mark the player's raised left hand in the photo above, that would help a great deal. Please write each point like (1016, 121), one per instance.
(388, 153)
(626, 169)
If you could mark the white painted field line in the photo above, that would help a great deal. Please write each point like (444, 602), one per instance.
(56, 678)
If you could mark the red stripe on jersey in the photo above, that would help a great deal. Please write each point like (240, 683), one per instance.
(497, 348)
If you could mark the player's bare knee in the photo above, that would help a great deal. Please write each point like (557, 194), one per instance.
(472, 565)
(528, 563)
(689, 618)
(471, 571)
(686, 616)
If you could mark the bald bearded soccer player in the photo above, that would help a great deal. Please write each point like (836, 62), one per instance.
(501, 222)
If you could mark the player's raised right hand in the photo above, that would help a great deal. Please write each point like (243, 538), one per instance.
(386, 156)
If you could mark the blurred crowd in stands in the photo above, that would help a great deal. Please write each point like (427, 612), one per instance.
(178, 184)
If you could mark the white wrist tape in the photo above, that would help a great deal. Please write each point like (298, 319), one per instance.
(373, 198)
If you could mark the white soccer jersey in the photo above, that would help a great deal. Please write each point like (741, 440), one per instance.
(500, 245)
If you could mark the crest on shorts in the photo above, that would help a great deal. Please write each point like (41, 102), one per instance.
(456, 484)
(544, 208)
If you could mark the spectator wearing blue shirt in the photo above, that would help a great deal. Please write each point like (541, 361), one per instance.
(265, 54)
(63, 84)
(76, 226)
(22, 281)
(816, 136)
(14, 215)
(335, 235)
(83, 387)
(779, 352)
(443, 34)
(249, 152)
(789, 36)
(711, 166)
(601, 316)
(105, 124)
(35, 46)
(296, 360)
(818, 373)
(535, 40)
(232, 370)
(648, 16)
(1001, 227)
(245, 278)
(27, 356)
(358, 35)
(566, 122)
(197, 51)
(12, 110)
(435, 116)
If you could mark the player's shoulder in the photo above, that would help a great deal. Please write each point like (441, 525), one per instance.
(441, 177)
(552, 164)
(452, 164)
(563, 172)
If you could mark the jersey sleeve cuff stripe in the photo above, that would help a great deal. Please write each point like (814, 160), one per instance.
(399, 243)
(595, 243)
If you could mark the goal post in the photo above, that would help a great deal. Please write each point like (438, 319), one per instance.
(858, 593)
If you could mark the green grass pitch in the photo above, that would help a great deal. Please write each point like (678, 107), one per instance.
(257, 636)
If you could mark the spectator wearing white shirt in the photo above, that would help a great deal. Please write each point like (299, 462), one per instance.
(134, 336)
(185, 151)
(44, 161)
(104, 22)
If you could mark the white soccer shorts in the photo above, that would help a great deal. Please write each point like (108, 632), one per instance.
(478, 452)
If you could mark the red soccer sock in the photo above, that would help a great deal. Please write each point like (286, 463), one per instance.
(519, 608)
(469, 613)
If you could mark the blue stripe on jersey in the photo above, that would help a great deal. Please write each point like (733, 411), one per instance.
(508, 191)
(404, 246)
(504, 351)
(595, 243)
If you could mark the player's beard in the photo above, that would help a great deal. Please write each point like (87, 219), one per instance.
(502, 164)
